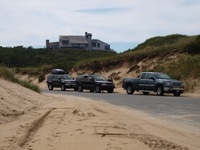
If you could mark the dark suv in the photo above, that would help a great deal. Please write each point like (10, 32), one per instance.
(94, 83)
(59, 79)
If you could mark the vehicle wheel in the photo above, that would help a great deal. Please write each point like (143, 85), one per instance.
(63, 88)
(50, 86)
(145, 93)
(91, 91)
(80, 89)
(110, 90)
(159, 90)
(97, 89)
(129, 89)
(177, 94)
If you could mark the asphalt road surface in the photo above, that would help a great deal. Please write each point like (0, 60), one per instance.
(179, 110)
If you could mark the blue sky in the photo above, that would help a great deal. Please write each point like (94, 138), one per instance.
(122, 23)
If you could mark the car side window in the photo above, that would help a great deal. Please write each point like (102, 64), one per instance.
(90, 78)
(79, 78)
(143, 75)
(150, 76)
(85, 78)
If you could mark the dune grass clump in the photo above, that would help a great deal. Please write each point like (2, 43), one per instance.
(8, 74)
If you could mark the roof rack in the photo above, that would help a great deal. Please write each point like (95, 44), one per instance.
(57, 71)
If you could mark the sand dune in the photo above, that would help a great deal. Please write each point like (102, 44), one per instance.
(34, 121)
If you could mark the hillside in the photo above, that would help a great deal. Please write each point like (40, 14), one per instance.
(176, 55)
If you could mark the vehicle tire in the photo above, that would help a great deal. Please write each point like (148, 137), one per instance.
(97, 89)
(80, 88)
(50, 86)
(160, 90)
(63, 88)
(129, 89)
(145, 93)
(177, 93)
(110, 90)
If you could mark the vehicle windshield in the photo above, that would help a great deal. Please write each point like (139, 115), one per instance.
(99, 78)
(66, 77)
(161, 76)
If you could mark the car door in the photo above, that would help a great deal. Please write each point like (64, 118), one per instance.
(147, 82)
(150, 82)
(85, 82)
(57, 80)
(91, 82)
(142, 81)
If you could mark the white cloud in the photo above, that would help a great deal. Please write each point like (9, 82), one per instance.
(31, 22)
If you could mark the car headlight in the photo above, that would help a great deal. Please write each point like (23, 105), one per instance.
(168, 83)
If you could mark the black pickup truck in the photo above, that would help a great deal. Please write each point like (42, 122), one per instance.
(153, 81)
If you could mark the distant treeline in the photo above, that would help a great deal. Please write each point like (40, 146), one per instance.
(21, 57)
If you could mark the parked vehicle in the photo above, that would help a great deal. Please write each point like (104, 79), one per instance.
(58, 79)
(94, 83)
(153, 81)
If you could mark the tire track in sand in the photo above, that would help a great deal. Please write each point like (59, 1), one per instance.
(34, 126)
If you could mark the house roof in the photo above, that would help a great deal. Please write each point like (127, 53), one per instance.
(75, 39)
(96, 40)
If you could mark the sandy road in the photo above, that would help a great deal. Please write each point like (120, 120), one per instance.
(78, 123)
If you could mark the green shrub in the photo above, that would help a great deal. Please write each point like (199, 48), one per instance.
(194, 47)
(41, 78)
(8, 74)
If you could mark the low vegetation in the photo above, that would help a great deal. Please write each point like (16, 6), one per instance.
(8, 74)
(151, 48)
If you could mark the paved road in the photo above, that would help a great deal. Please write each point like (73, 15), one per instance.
(183, 110)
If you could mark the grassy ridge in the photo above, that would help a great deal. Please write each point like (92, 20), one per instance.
(8, 74)
(151, 48)
(185, 65)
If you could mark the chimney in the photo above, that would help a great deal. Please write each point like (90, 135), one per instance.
(47, 43)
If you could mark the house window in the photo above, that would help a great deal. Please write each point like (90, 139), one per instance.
(89, 37)
(107, 47)
(98, 44)
(94, 44)
(65, 42)
(76, 45)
